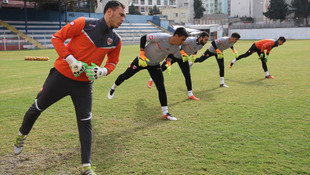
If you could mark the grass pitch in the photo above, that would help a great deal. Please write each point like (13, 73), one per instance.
(256, 126)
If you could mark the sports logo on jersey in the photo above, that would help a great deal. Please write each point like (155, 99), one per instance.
(72, 23)
(134, 67)
(150, 37)
(109, 41)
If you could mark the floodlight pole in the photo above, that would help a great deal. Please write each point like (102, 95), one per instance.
(25, 6)
(89, 6)
(59, 14)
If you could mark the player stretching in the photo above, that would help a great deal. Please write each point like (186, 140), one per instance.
(91, 40)
(191, 46)
(259, 47)
(160, 45)
(216, 49)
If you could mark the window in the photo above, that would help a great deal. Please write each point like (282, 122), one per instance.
(142, 2)
(165, 2)
(171, 2)
(158, 2)
(150, 2)
(175, 15)
(142, 9)
(182, 15)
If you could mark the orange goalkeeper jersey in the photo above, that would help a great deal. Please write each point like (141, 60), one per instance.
(91, 40)
(266, 44)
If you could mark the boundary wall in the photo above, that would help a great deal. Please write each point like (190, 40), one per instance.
(273, 33)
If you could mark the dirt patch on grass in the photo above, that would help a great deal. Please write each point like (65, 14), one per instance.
(41, 161)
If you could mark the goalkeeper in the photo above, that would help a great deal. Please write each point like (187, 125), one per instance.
(189, 49)
(216, 49)
(159, 46)
(259, 47)
(91, 40)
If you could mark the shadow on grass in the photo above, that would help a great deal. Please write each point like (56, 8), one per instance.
(111, 146)
(258, 82)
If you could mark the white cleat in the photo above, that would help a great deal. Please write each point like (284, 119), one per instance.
(169, 117)
(111, 94)
(224, 85)
(18, 146)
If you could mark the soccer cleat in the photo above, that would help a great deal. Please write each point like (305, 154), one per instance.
(231, 64)
(168, 117)
(224, 85)
(193, 97)
(87, 171)
(111, 94)
(269, 77)
(18, 146)
(149, 84)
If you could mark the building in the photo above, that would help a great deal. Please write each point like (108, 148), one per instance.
(177, 11)
(251, 8)
(216, 6)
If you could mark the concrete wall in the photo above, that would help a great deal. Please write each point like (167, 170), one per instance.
(274, 33)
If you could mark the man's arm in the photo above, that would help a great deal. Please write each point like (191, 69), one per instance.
(113, 58)
(70, 30)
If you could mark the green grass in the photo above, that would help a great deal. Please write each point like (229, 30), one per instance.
(256, 126)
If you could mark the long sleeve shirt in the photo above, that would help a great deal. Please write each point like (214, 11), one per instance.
(91, 40)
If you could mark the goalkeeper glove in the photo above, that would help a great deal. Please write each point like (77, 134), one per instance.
(168, 66)
(220, 54)
(77, 67)
(94, 72)
(262, 55)
(184, 55)
(143, 59)
(192, 58)
(235, 53)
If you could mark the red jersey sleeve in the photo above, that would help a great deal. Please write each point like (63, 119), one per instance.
(113, 58)
(70, 30)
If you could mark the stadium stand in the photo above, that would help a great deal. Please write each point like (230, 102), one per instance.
(43, 31)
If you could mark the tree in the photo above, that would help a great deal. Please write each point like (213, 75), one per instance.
(277, 9)
(133, 10)
(301, 10)
(198, 9)
(154, 11)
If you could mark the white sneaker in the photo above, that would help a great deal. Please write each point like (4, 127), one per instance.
(19, 144)
(169, 117)
(111, 94)
(224, 85)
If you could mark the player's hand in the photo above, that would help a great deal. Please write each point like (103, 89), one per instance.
(220, 54)
(266, 59)
(168, 66)
(192, 58)
(143, 63)
(235, 53)
(77, 67)
(94, 72)
(184, 55)
(143, 59)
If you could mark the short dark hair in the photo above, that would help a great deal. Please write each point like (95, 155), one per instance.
(181, 32)
(113, 5)
(282, 38)
(235, 35)
(203, 34)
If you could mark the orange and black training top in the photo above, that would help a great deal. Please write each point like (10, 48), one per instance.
(91, 40)
(266, 44)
